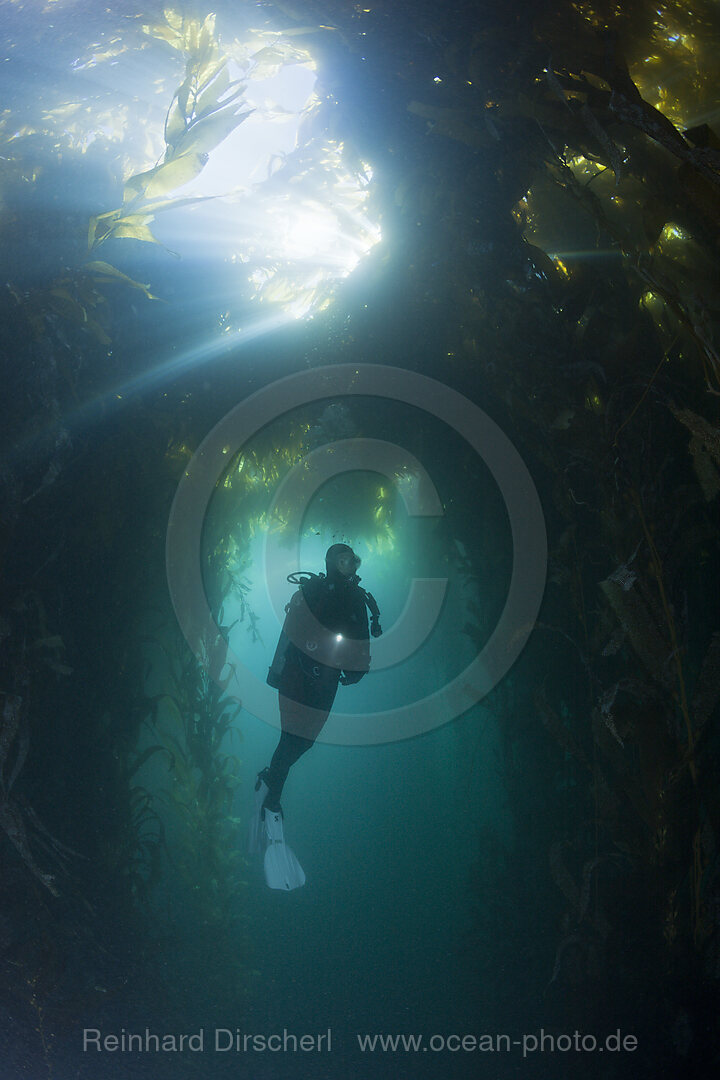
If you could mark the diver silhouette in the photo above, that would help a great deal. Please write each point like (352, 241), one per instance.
(325, 642)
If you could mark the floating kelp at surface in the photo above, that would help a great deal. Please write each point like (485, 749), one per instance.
(291, 250)
(203, 112)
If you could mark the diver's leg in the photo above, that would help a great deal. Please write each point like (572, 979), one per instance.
(289, 749)
(301, 724)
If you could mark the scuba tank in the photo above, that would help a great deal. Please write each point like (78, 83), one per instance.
(298, 627)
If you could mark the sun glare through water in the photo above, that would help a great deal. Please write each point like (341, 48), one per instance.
(272, 194)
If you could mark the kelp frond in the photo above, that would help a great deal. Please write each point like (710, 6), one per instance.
(204, 110)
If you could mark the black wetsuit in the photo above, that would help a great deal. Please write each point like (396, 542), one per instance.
(308, 664)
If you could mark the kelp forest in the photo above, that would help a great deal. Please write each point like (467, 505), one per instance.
(529, 195)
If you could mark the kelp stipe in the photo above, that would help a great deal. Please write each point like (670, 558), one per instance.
(195, 723)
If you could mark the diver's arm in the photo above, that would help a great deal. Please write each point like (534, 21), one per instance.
(348, 678)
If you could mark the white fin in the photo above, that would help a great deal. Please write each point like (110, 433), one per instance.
(282, 870)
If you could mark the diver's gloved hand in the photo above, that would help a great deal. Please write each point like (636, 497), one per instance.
(349, 677)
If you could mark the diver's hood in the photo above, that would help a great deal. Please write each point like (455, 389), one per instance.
(334, 553)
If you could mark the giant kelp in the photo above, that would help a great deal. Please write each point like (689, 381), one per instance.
(598, 348)
(203, 112)
(499, 140)
(194, 726)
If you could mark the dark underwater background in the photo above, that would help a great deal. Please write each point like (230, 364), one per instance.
(522, 202)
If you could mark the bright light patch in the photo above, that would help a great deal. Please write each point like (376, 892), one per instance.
(258, 146)
(299, 230)
(674, 232)
(301, 246)
(309, 233)
(290, 206)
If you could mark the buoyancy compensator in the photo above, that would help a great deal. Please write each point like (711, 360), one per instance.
(301, 629)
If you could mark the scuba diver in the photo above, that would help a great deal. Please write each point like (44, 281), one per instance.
(324, 642)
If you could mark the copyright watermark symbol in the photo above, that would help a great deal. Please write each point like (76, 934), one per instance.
(425, 596)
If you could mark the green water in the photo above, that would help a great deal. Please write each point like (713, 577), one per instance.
(442, 285)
